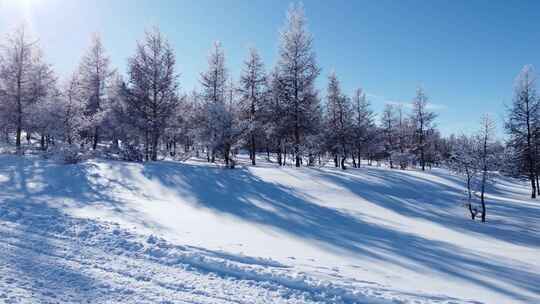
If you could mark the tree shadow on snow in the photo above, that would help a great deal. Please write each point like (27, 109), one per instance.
(241, 194)
(34, 259)
(402, 192)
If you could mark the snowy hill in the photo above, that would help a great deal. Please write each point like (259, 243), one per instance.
(169, 232)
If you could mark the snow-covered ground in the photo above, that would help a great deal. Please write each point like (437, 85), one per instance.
(169, 232)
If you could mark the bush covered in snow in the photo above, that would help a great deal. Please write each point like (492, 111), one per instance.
(64, 153)
(130, 152)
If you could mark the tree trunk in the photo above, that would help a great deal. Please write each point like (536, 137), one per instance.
(155, 142)
(96, 138)
(537, 184)
(469, 191)
(253, 149)
(533, 184)
(423, 163)
(42, 142)
(483, 206)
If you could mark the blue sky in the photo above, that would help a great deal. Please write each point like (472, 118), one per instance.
(466, 54)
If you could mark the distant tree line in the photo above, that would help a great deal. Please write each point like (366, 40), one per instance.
(277, 113)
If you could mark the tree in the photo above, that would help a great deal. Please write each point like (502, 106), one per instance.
(25, 79)
(464, 162)
(214, 83)
(297, 73)
(152, 90)
(422, 120)
(71, 113)
(276, 117)
(522, 124)
(403, 138)
(253, 93)
(362, 124)
(487, 157)
(388, 127)
(95, 76)
(338, 121)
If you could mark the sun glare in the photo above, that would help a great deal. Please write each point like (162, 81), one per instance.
(24, 9)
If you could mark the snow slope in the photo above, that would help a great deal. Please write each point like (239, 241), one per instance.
(116, 232)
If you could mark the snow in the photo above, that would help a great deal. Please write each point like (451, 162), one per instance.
(168, 232)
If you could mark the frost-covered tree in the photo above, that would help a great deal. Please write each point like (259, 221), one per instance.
(363, 125)
(404, 130)
(463, 161)
(389, 131)
(214, 79)
(94, 80)
(25, 79)
(522, 124)
(297, 73)
(423, 121)
(338, 120)
(71, 112)
(276, 118)
(253, 92)
(214, 83)
(487, 156)
(476, 157)
(152, 89)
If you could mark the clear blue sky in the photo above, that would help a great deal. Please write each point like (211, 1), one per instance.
(466, 54)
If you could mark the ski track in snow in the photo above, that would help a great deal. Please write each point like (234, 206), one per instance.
(50, 257)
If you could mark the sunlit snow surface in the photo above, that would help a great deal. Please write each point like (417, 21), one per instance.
(169, 232)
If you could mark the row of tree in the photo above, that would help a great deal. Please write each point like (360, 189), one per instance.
(278, 111)
(143, 115)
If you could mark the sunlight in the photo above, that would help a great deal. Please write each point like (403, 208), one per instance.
(24, 7)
